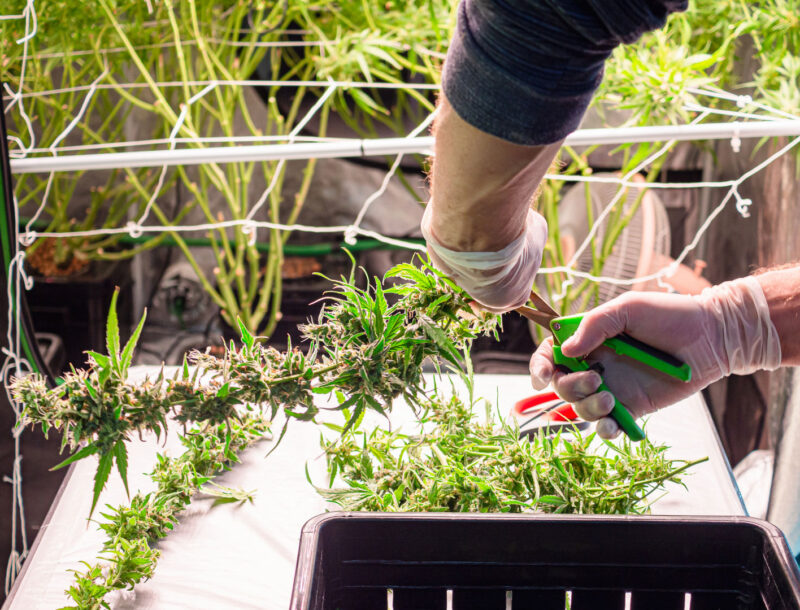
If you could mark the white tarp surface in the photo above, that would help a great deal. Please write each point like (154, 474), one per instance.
(243, 555)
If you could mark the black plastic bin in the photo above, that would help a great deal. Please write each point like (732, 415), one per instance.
(351, 561)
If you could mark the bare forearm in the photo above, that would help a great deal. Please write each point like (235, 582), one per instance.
(481, 186)
(782, 289)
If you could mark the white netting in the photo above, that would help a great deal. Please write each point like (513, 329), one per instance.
(744, 111)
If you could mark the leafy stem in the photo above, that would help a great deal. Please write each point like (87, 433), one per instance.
(363, 348)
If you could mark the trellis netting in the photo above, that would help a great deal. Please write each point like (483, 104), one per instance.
(730, 117)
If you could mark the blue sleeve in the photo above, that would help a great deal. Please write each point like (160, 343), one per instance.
(526, 70)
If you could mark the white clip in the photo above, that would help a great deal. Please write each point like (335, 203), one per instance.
(736, 141)
(350, 235)
(27, 238)
(134, 230)
(743, 101)
(250, 231)
(743, 207)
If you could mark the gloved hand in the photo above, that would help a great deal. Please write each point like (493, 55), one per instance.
(726, 329)
(498, 281)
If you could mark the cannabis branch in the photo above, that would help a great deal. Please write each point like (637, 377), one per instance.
(127, 556)
(456, 463)
(363, 348)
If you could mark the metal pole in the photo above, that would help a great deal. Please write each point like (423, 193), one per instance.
(384, 146)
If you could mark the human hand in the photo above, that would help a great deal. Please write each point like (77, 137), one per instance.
(498, 281)
(726, 329)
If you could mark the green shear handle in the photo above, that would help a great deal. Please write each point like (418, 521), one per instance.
(564, 327)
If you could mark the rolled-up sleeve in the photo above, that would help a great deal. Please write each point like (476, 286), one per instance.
(526, 70)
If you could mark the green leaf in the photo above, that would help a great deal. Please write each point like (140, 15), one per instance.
(227, 449)
(560, 467)
(552, 500)
(378, 52)
(112, 332)
(334, 470)
(78, 455)
(378, 309)
(280, 438)
(127, 353)
(366, 103)
(394, 323)
(435, 305)
(90, 388)
(185, 369)
(101, 476)
(247, 337)
(101, 360)
(224, 390)
(121, 453)
(343, 405)
(441, 340)
(355, 419)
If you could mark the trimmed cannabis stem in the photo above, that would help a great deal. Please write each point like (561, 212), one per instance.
(362, 347)
(127, 556)
(456, 464)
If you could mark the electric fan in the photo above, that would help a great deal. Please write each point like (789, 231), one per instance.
(642, 248)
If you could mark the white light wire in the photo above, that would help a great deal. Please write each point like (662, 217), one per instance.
(247, 224)
(233, 43)
(198, 140)
(670, 269)
(741, 101)
(621, 191)
(14, 363)
(31, 25)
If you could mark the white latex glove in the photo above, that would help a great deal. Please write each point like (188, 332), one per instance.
(724, 330)
(499, 281)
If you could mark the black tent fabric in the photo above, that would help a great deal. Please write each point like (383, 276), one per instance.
(38, 454)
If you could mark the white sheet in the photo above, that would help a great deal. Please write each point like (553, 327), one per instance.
(243, 556)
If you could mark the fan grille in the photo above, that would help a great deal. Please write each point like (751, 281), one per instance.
(647, 234)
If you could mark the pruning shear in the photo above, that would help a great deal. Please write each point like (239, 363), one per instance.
(563, 327)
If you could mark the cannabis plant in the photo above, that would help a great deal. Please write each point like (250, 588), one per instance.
(62, 74)
(364, 350)
(455, 463)
(127, 557)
